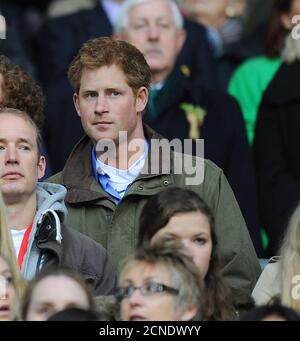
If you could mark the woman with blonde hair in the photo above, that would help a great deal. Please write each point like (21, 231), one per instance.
(160, 283)
(9, 271)
(289, 264)
(279, 281)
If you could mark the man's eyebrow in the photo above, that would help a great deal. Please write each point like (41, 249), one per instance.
(24, 140)
(113, 88)
(86, 91)
(20, 140)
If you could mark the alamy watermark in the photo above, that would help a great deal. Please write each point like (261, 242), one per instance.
(296, 28)
(2, 27)
(295, 293)
(177, 157)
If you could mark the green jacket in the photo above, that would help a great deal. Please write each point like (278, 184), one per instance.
(248, 84)
(92, 211)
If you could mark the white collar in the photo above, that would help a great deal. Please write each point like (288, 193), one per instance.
(123, 175)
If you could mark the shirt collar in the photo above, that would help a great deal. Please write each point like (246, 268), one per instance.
(101, 169)
(112, 9)
(157, 86)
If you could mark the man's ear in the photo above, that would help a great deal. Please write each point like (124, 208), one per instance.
(141, 99)
(41, 167)
(76, 103)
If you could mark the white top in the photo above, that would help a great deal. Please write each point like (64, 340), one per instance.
(17, 237)
(120, 179)
(268, 284)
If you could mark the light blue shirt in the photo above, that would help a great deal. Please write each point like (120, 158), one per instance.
(215, 41)
(157, 86)
(116, 181)
(112, 10)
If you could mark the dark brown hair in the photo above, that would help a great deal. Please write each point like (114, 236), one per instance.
(21, 91)
(276, 32)
(104, 51)
(156, 214)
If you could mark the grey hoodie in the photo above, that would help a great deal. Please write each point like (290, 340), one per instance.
(49, 196)
(53, 243)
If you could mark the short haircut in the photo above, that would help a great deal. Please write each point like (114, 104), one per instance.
(183, 273)
(104, 51)
(123, 18)
(26, 117)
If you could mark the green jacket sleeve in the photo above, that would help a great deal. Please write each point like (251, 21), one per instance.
(240, 265)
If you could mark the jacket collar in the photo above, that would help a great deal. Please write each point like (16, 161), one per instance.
(78, 178)
(45, 238)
